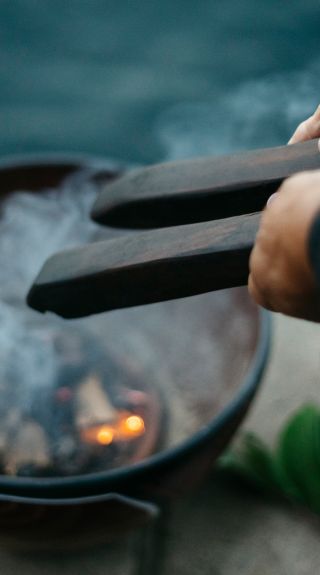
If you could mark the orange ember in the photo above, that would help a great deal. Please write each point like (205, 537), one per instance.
(131, 426)
(105, 435)
(126, 427)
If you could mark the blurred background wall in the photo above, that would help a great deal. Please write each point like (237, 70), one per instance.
(143, 80)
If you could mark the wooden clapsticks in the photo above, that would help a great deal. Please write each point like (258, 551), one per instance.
(177, 261)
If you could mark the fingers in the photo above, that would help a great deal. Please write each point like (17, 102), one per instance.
(308, 129)
(258, 294)
(272, 198)
(280, 277)
(260, 266)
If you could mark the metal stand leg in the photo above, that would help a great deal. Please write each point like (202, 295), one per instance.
(151, 545)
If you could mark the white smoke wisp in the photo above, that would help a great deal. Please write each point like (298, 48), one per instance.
(33, 226)
(259, 113)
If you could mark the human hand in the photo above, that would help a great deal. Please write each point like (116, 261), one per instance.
(308, 129)
(281, 278)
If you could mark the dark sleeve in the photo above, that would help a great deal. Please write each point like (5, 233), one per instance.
(314, 248)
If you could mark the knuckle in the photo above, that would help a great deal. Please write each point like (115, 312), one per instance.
(259, 295)
(296, 181)
(316, 115)
(302, 129)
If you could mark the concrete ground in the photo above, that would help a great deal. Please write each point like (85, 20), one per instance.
(222, 530)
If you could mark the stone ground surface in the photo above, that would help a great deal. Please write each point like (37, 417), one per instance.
(222, 530)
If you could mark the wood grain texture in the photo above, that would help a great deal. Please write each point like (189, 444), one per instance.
(146, 267)
(201, 189)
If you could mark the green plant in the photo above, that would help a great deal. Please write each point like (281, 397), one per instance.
(292, 468)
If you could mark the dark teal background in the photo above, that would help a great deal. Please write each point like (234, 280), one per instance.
(112, 77)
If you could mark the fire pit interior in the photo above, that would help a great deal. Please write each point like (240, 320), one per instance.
(95, 414)
(108, 391)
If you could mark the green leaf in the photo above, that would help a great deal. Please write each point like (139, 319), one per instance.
(253, 461)
(292, 469)
(297, 457)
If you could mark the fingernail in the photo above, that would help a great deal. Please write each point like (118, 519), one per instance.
(272, 198)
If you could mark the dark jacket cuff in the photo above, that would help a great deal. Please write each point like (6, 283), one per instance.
(314, 248)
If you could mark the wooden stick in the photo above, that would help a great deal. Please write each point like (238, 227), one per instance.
(146, 267)
(93, 406)
(29, 446)
(201, 189)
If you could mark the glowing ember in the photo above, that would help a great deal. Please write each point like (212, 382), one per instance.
(125, 428)
(105, 435)
(134, 424)
(129, 427)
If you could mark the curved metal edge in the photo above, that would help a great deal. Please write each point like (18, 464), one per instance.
(81, 163)
(150, 509)
(51, 170)
(99, 481)
(61, 159)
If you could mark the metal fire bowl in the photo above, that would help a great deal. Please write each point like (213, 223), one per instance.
(52, 511)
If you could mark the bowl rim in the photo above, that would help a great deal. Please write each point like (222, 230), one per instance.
(11, 485)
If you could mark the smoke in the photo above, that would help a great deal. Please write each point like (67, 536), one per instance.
(33, 226)
(256, 114)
